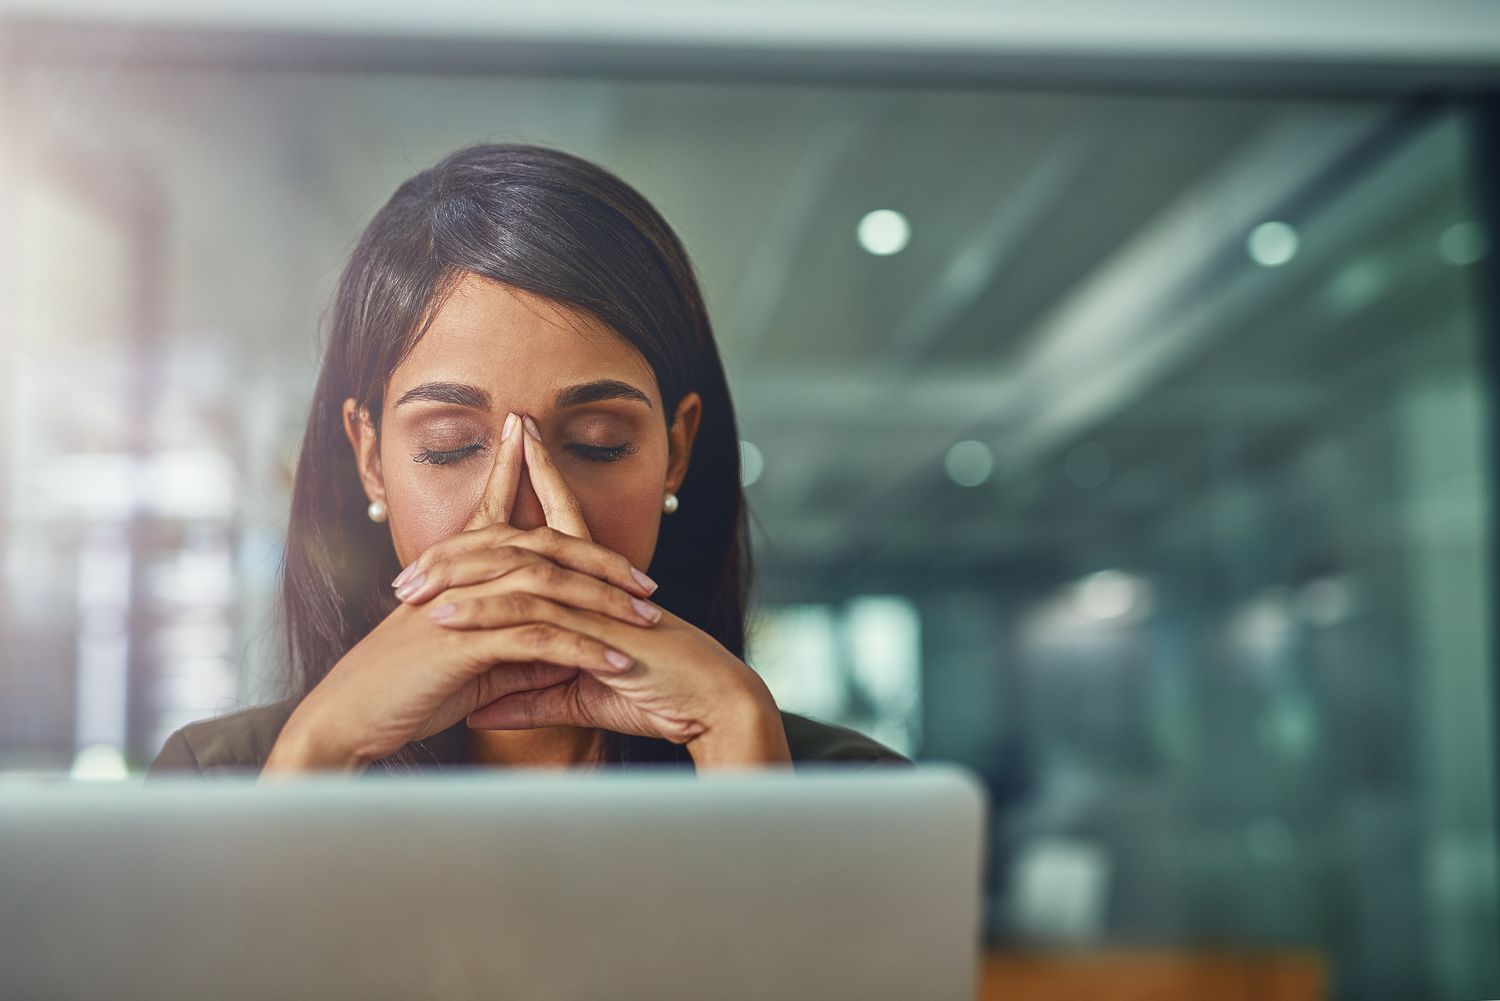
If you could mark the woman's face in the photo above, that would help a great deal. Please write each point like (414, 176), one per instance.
(491, 350)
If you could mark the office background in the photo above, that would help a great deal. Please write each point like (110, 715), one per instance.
(1118, 406)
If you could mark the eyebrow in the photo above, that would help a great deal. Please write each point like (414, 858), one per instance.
(475, 398)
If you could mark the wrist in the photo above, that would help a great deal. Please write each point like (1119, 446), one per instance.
(304, 746)
(746, 732)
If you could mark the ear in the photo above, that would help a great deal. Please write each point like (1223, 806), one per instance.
(680, 439)
(361, 433)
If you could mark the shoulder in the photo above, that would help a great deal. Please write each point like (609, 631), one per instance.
(236, 741)
(812, 740)
(242, 740)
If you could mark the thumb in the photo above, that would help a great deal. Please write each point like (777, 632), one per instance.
(499, 494)
(551, 706)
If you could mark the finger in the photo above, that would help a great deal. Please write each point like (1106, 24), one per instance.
(521, 626)
(509, 677)
(488, 523)
(559, 503)
(461, 567)
(519, 569)
(556, 705)
(499, 495)
(466, 541)
(482, 608)
(568, 550)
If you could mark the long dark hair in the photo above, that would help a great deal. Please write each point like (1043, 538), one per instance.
(559, 226)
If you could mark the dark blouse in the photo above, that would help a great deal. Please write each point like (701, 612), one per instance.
(240, 742)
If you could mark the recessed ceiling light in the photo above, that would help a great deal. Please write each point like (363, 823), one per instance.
(884, 232)
(969, 463)
(1357, 285)
(1272, 244)
(1463, 243)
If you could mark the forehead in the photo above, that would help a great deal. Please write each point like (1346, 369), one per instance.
(518, 345)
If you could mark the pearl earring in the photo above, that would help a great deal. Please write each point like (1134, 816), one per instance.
(377, 511)
(669, 503)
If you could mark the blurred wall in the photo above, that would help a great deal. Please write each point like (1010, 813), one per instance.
(1150, 475)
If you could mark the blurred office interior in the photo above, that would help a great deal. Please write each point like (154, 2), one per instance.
(1117, 407)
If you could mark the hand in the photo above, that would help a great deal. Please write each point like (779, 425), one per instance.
(556, 558)
(684, 686)
(410, 677)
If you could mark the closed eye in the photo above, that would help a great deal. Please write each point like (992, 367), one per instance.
(442, 457)
(600, 453)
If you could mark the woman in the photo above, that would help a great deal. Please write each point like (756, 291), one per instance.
(522, 405)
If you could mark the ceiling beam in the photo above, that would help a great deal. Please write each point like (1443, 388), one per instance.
(1273, 46)
(1332, 30)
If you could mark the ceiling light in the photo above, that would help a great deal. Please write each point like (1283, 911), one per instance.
(884, 232)
(1272, 244)
(1463, 243)
(1358, 285)
(969, 463)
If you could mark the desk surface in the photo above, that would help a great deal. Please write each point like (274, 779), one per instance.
(1152, 975)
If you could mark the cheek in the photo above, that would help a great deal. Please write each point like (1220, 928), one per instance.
(623, 506)
(424, 508)
(624, 512)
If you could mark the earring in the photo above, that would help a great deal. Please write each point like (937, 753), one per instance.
(669, 503)
(377, 511)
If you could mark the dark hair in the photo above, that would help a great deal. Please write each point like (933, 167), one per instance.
(561, 227)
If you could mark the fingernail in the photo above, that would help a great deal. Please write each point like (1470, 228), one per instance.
(531, 428)
(618, 659)
(442, 612)
(510, 425)
(411, 587)
(641, 579)
(403, 575)
(646, 610)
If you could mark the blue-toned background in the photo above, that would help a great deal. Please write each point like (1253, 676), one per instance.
(1119, 427)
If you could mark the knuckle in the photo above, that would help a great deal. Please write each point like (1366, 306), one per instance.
(483, 566)
(483, 610)
(450, 548)
(552, 575)
(537, 635)
(525, 605)
(531, 572)
(511, 554)
(447, 546)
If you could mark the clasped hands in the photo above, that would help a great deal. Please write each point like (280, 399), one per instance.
(604, 656)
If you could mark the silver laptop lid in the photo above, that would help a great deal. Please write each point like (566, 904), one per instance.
(833, 883)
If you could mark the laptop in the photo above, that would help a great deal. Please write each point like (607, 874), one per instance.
(825, 884)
